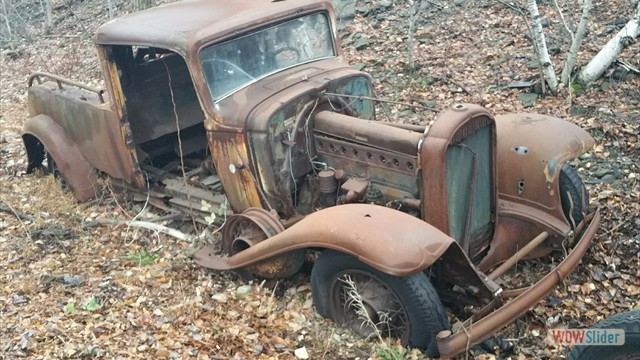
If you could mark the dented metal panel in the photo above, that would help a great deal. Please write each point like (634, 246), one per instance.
(91, 125)
(368, 232)
(231, 159)
(72, 165)
(531, 151)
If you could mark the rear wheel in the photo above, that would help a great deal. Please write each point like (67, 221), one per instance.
(373, 303)
(52, 168)
(629, 322)
(573, 195)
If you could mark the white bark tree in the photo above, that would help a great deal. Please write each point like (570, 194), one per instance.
(541, 47)
(597, 66)
(576, 42)
(614, 47)
(46, 9)
(142, 4)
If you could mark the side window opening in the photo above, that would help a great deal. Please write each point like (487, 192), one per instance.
(161, 103)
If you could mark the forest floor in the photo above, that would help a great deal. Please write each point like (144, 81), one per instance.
(117, 292)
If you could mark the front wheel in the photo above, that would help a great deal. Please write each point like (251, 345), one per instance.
(629, 322)
(373, 303)
(573, 195)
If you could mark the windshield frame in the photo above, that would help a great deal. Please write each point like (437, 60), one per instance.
(211, 84)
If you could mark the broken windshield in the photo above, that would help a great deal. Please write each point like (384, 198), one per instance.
(236, 63)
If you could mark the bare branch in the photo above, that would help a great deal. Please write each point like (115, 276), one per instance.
(566, 26)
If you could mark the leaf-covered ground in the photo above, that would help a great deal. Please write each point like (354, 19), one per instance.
(73, 292)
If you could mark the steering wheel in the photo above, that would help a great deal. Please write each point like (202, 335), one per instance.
(283, 56)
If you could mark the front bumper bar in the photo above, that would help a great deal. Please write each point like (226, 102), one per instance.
(451, 345)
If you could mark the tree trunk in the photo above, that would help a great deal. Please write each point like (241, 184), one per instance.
(610, 52)
(576, 43)
(47, 13)
(5, 15)
(142, 4)
(541, 47)
(413, 9)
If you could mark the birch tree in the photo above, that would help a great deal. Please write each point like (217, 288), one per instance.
(540, 45)
(599, 64)
(142, 4)
(576, 41)
(614, 47)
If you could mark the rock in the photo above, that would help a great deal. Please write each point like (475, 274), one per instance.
(362, 43)
(243, 291)
(602, 172)
(301, 353)
(528, 99)
(72, 281)
(384, 4)
(257, 350)
(458, 2)
(345, 9)
(221, 297)
(430, 104)
(608, 179)
(580, 111)
(17, 299)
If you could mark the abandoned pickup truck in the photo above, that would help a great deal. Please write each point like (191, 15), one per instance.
(248, 110)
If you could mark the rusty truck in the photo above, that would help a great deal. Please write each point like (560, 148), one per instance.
(249, 110)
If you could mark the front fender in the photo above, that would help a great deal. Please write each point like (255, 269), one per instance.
(73, 167)
(388, 240)
(531, 151)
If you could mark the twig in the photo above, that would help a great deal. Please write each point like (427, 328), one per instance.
(628, 66)
(564, 22)
(19, 215)
(449, 81)
(515, 7)
(141, 224)
(174, 216)
(440, 7)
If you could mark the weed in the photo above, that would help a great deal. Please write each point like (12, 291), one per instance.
(142, 258)
(92, 305)
(69, 308)
(384, 351)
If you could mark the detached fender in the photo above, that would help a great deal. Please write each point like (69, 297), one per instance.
(388, 240)
(531, 150)
(41, 130)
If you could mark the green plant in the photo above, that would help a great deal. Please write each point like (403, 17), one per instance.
(69, 308)
(91, 353)
(384, 351)
(92, 305)
(142, 258)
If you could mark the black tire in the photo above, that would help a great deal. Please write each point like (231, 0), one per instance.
(419, 309)
(573, 195)
(629, 322)
(52, 168)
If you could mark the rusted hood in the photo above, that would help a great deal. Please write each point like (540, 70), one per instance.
(386, 239)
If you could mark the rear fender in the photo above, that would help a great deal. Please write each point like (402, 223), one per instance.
(388, 240)
(41, 133)
(531, 151)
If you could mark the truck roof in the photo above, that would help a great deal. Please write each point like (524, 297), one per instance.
(187, 24)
